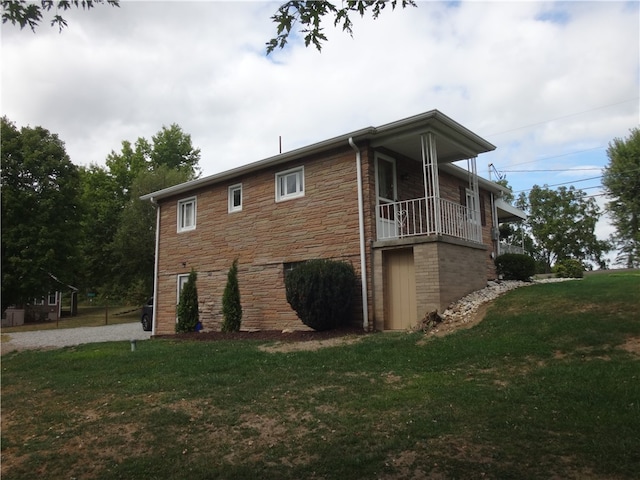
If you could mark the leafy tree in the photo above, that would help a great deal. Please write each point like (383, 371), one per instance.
(188, 315)
(310, 14)
(172, 148)
(30, 14)
(231, 306)
(125, 165)
(40, 213)
(621, 181)
(562, 224)
(509, 196)
(169, 147)
(102, 208)
(119, 246)
(133, 244)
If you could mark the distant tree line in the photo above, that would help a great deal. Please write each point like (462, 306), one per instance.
(84, 225)
(561, 223)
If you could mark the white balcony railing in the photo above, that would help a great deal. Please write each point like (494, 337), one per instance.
(508, 248)
(432, 216)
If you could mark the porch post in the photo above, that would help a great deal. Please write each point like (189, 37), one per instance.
(431, 183)
(475, 192)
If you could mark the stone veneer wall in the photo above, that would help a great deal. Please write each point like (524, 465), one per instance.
(263, 236)
(446, 270)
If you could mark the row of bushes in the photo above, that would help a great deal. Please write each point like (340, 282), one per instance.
(188, 315)
(320, 292)
(513, 266)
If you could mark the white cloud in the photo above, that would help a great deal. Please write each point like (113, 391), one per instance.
(537, 79)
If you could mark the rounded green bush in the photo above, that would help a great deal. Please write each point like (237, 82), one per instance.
(515, 266)
(321, 292)
(568, 268)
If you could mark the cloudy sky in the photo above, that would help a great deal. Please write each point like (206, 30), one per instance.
(550, 84)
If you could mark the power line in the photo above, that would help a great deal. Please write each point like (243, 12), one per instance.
(564, 183)
(557, 156)
(553, 170)
(565, 116)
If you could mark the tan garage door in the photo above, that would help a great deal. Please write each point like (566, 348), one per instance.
(399, 289)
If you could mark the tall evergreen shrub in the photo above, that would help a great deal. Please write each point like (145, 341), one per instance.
(188, 315)
(321, 292)
(231, 306)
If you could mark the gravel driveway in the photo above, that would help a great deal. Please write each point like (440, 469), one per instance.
(66, 337)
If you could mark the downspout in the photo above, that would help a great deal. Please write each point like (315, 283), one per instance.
(363, 254)
(495, 231)
(155, 268)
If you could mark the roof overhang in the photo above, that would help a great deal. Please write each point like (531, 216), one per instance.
(508, 213)
(453, 141)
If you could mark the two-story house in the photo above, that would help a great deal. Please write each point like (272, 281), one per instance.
(420, 231)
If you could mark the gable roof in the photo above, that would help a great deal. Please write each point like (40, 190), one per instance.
(454, 142)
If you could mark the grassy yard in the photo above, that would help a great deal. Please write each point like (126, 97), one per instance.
(547, 386)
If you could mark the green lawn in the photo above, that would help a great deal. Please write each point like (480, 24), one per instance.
(547, 386)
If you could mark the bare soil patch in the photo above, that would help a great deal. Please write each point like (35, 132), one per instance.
(632, 345)
(284, 341)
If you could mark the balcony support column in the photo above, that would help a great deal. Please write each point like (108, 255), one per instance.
(431, 182)
(475, 195)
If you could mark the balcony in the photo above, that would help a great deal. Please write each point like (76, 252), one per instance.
(508, 248)
(428, 216)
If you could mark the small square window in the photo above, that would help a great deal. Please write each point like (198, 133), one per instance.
(290, 184)
(235, 198)
(187, 214)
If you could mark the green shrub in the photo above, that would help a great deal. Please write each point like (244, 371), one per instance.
(231, 307)
(321, 292)
(568, 268)
(515, 266)
(188, 315)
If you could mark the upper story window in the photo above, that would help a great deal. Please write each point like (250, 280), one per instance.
(290, 184)
(187, 214)
(53, 299)
(235, 198)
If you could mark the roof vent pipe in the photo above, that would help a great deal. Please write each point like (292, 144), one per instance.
(363, 257)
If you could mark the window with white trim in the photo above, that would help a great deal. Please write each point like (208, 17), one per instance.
(181, 282)
(38, 301)
(235, 198)
(290, 184)
(187, 214)
(53, 299)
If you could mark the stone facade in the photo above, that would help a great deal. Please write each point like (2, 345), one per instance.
(264, 237)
